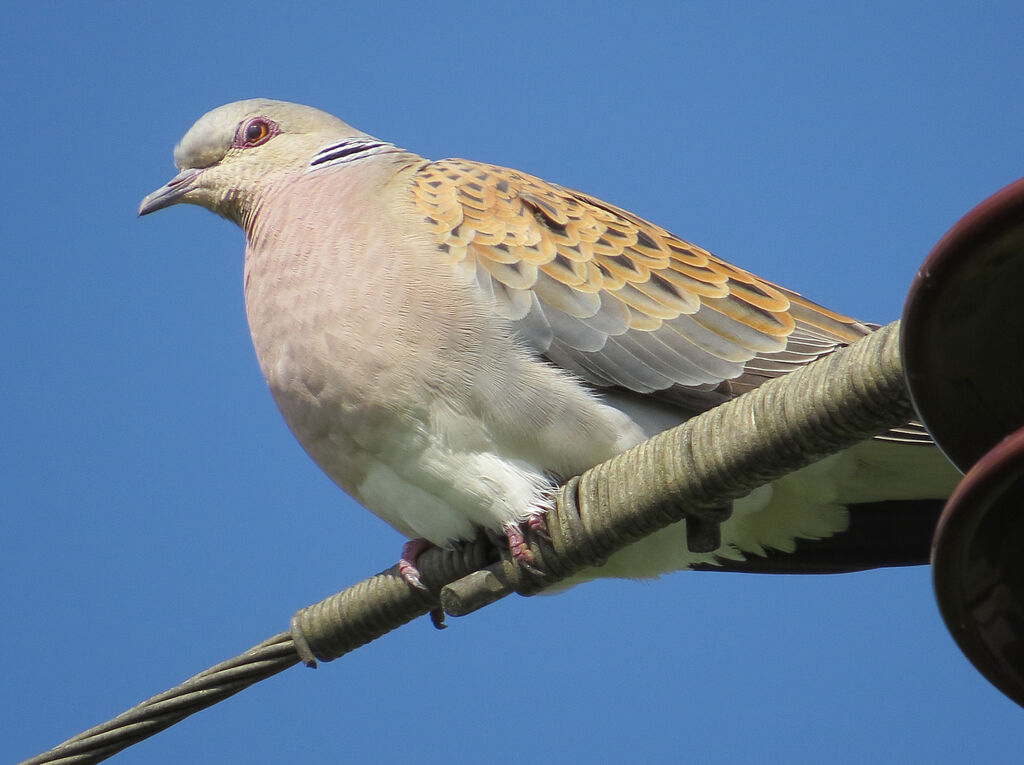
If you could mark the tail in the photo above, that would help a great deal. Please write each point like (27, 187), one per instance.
(887, 533)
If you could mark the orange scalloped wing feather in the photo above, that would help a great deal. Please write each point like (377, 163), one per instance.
(612, 297)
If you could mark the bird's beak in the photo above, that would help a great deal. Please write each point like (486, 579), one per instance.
(170, 193)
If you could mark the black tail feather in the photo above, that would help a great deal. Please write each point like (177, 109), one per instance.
(881, 534)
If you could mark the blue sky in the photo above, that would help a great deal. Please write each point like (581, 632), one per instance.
(158, 517)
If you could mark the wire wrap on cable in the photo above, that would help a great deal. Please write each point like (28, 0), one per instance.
(375, 606)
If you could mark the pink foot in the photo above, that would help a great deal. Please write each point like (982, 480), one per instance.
(538, 523)
(407, 568)
(411, 550)
(518, 547)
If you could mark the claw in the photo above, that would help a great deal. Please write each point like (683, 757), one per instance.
(437, 618)
(411, 550)
(538, 523)
(519, 549)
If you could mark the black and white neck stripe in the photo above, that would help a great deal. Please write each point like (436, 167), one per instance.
(349, 150)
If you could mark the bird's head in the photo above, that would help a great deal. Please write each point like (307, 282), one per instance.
(233, 152)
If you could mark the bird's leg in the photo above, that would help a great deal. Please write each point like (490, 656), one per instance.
(517, 543)
(538, 523)
(411, 574)
(411, 550)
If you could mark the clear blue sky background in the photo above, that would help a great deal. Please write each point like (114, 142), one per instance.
(158, 517)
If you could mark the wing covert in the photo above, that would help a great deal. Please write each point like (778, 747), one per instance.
(614, 298)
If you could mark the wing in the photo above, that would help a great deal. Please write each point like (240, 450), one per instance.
(615, 299)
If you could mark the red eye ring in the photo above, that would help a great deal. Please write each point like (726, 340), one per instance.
(255, 131)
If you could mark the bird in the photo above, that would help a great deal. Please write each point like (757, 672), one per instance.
(450, 340)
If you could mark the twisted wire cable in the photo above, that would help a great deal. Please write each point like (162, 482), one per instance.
(690, 472)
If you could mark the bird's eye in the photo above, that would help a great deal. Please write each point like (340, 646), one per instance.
(255, 131)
